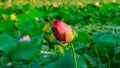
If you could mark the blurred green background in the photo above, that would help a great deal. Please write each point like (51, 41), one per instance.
(43, 2)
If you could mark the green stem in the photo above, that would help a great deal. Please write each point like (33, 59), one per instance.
(98, 56)
(28, 65)
(108, 62)
(74, 55)
(108, 58)
(90, 56)
(1, 66)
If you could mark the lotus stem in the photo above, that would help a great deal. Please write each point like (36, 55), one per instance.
(74, 56)
(98, 56)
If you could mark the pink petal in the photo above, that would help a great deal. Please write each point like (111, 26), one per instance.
(58, 35)
(25, 38)
(62, 25)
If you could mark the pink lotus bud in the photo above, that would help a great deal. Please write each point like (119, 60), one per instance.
(36, 19)
(55, 5)
(81, 4)
(62, 31)
(25, 38)
(9, 5)
(113, 0)
(97, 4)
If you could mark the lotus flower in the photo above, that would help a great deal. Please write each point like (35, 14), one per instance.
(25, 38)
(9, 5)
(62, 31)
(55, 5)
(81, 4)
(113, 0)
(97, 4)
(36, 19)
(13, 17)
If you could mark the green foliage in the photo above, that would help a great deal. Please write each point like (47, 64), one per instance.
(25, 51)
(68, 62)
(7, 43)
(83, 35)
(5, 25)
